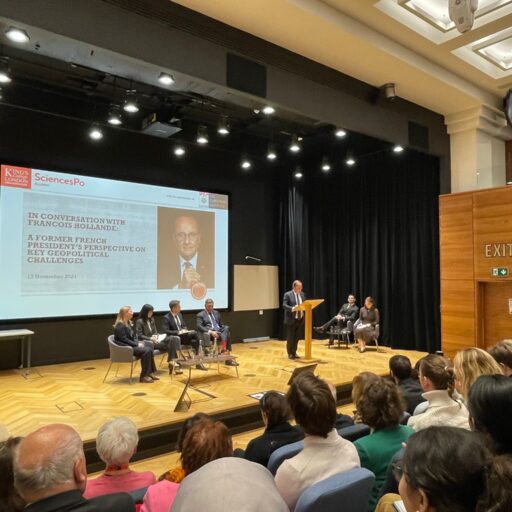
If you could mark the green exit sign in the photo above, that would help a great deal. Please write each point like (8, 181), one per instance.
(499, 271)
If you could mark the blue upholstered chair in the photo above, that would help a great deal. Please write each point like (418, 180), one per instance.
(354, 431)
(347, 492)
(281, 454)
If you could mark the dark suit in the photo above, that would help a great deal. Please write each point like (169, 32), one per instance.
(74, 501)
(171, 327)
(204, 324)
(123, 335)
(146, 329)
(351, 313)
(261, 448)
(170, 276)
(294, 321)
(411, 391)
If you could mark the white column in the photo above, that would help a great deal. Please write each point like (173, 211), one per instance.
(477, 146)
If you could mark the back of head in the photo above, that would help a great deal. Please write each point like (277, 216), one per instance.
(189, 422)
(490, 407)
(312, 404)
(447, 464)
(502, 353)
(205, 441)
(276, 408)
(49, 461)
(359, 382)
(469, 364)
(439, 371)
(401, 367)
(381, 404)
(229, 484)
(10, 500)
(117, 441)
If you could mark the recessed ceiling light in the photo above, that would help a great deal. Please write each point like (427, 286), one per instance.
(179, 150)
(246, 163)
(17, 35)
(114, 116)
(268, 110)
(398, 148)
(95, 133)
(271, 153)
(295, 146)
(340, 133)
(326, 166)
(298, 174)
(130, 104)
(223, 128)
(5, 72)
(202, 135)
(350, 161)
(256, 110)
(166, 79)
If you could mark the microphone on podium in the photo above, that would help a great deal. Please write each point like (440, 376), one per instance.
(252, 258)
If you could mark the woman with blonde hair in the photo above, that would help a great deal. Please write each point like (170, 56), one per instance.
(437, 380)
(123, 335)
(469, 364)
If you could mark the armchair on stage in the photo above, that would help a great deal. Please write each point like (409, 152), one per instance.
(307, 306)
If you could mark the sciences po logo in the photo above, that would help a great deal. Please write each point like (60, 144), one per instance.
(12, 176)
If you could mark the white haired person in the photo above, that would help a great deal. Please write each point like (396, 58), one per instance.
(116, 443)
(50, 474)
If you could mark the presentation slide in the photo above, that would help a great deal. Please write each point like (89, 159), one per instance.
(73, 245)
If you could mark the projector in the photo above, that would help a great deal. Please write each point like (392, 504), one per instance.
(159, 126)
(462, 13)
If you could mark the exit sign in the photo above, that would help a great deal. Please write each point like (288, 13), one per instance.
(499, 271)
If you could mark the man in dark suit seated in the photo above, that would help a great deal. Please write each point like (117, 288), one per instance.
(174, 325)
(400, 370)
(50, 474)
(348, 312)
(210, 327)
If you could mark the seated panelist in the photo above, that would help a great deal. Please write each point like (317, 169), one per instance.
(348, 312)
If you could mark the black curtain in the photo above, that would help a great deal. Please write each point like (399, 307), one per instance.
(369, 230)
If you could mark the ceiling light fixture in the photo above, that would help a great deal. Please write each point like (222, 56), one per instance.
(17, 35)
(202, 135)
(245, 163)
(271, 152)
(1, 94)
(179, 150)
(223, 128)
(114, 116)
(298, 173)
(5, 72)
(95, 133)
(340, 133)
(295, 145)
(166, 79)
(130, 103)
(398, 148)
(350, 161)
(326, 166)
(268, 110)
(389, 91)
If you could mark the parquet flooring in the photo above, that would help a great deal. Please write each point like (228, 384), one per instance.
(74, 393)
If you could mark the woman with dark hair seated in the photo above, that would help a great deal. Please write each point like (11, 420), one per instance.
(278, 431)
(325, 453)
(146, 330)
(448, 469)
(490, 409)
(10, 500)
(123, 335)
(381, 407)
(366, 328)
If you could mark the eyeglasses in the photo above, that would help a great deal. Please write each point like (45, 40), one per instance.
(398, 470)
(182, 237)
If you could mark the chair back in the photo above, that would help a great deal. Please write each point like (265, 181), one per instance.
(354, 431)
(281, 454)
(119, 353)
(348, 491)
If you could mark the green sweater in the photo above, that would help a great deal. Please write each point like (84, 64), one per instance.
(376, 450)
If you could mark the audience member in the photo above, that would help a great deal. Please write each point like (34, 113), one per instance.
(50, 474)
(204, 441)
(275, 412)
(116, 443)
(325, 453)
(400, 370)
(502, 353)
(381, 407)
(490, 409)
(358, 384)
(447, 469)
(438, 380)
(229, 484)
(469, 364)
(342, 420)
(123, 335)
(10, 500)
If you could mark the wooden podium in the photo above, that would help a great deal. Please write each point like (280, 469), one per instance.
(307, 306)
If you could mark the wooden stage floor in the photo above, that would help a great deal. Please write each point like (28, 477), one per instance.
(74, 393)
